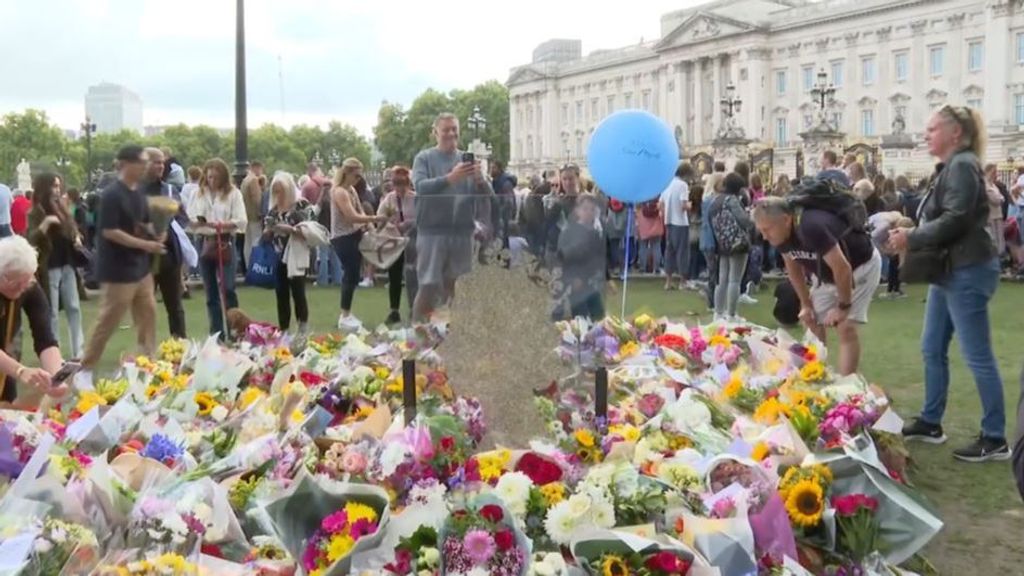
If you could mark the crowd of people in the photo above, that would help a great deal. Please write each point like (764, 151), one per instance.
(717, 232)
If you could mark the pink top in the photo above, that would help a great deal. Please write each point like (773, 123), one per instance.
(649, 227)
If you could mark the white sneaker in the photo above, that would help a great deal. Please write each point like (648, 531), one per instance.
(349, 324)
(737, 319)
(744, 299)
(303, 329)
(366, 283)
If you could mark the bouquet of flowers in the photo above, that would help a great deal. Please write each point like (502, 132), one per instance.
(337, 536)
(56, 543)
(416, 554)
(162, 210)
(135, 563)
(482, 539)
(857, 527)
(603, 553)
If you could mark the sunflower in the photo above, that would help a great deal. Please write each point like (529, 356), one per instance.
(805, 504)
(719, 340)
(584, 437)
(760, 451)
(812, 371)
(613, 565)
(733, 388)
(768, 412)
(205, 402)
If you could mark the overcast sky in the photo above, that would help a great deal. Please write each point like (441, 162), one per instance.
(339, 58)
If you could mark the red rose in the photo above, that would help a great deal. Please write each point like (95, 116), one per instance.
(472, 470)
(492, 513)
(540, 470)
(663, 562)
(505, 540)
(447, 444)
(311, 378)
(673, 341)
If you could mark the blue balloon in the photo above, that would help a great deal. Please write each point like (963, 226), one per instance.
(633, 155)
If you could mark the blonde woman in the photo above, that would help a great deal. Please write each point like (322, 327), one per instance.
(217, 213)
(348, 223)
(280, 227)
(954, 219)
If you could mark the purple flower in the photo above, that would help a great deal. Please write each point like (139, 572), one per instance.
(479, 546)
(162, 449)
(335, 522)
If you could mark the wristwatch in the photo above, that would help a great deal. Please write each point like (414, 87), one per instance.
(845, 306)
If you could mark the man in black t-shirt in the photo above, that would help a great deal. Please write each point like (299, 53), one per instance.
(842, 265)
(125, 243)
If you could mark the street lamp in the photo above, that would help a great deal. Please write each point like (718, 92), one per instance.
(88, 127)
(241, 125)
(822, 93)
(730, 102)
(317, 159)
(335, 157)
(63, 163)
(476, 122)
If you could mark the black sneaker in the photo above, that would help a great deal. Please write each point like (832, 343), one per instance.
(918, 429)
(393, 318)
(982, 450)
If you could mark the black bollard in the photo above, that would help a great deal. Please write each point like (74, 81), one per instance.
(601, 394)
(409, 389)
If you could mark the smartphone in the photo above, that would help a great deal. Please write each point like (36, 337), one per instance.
(468, 157)
(66, 371)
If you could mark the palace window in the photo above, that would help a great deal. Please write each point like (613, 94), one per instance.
(867, 122)
(780, 82)
(937, 60)
(1020, 47)
(867, 70)
(837, 74)
(808, 77)
(565, 114)
(901, 64)
(781, 131)
(610, 105)
(1018, 109)
(975, 56)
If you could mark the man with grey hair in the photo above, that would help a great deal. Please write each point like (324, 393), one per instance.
(841, 262)
(449, 186)
(20, 293)
(168, 273)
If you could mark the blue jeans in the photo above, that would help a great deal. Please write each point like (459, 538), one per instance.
(209, 272)
(650, 249)
(64, 288)
(960, 305)
(328, 267)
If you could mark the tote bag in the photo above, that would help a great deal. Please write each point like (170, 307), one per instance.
(263, 263)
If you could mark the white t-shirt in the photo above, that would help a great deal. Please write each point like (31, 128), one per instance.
(6, 198)
(673, 198)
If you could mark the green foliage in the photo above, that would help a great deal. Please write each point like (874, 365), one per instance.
(28, 135)
(400, 133)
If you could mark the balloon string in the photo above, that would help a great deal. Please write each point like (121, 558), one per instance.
(625, 265)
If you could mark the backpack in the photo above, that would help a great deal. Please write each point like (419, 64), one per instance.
(830, 196)
(730, 236)
(649, 209)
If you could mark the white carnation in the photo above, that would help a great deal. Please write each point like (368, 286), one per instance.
(560, 523)
(514, 489)
(688, 414)
(602, 514)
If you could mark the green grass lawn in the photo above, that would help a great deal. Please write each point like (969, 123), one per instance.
(981, 508)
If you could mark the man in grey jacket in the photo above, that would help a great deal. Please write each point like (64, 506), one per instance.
(449, 190)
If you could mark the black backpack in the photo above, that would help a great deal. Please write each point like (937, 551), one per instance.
(830, 196)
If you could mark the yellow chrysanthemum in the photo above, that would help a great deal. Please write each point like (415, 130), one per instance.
(805, 504)
(356, 511)
(812, 371)
(205, 402)
(629, 349)
(719, 340)
(382, 373)
(628, 432)
(88, 400)
(297, 416)
(760, 451)
(733, 388)
(643, 321)
(768, 412)
(553, 493)
(613, 565)
(143, 362)
(282, 354)
(584, 437)
(823, 472)
(248, 396)
(152, 390)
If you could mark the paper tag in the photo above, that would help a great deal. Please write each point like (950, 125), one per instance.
(79, 429)
(889, 422)
(14, 552)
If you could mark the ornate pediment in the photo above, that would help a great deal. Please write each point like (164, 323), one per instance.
(867, 102)
(974, 91)
(936, 96)
(524, 75)
(701, 27)
(899, 98)
(808, 107)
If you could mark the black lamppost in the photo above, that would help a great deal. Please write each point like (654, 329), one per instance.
(88, 127)
(822, 93)
(317, 159)
(335, 157)
(730, 102)
(241, 126)
(62, 163)
(476, 122)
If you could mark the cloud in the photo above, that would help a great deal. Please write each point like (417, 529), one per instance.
(329, 59)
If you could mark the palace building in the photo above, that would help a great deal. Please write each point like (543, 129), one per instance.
(891, 63)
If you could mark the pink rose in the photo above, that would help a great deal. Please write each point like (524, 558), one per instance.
(353, 462)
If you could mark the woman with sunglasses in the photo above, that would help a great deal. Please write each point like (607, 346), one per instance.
(953, 244)
(52, 230)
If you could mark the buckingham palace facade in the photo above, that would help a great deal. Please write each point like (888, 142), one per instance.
(891, 62)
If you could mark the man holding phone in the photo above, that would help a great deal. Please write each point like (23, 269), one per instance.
(449, 185)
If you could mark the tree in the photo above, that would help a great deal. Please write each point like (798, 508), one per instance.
(347, 141)
(28, 135)
(271, 145)
(400, 134)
